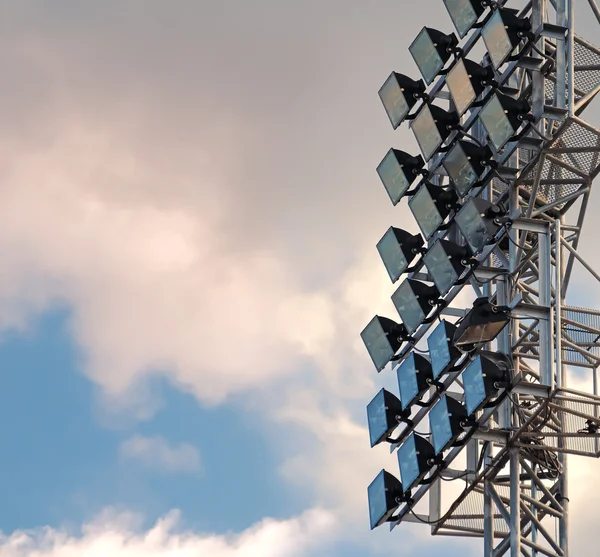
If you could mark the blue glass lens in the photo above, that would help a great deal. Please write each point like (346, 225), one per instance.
(426, 132)
(439, 421)
(407, 382)
(472, 226)
(392, 255)
(377, 418)
(459, 170)
(377, 500)
(462, 14)
(426, 56)
(460, 87)
(408, 307)
(440, 268)
(392, 175)
(425, 212)
(393, 100)
(408, 461)
(377, 344)
(439, 350)
(496, 39)
(474, 386)
(496, 122)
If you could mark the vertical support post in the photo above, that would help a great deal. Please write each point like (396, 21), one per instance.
(561, 56)
(488, 510)
(546, 333)
(571, 57)
(538, 94)
(515, 503)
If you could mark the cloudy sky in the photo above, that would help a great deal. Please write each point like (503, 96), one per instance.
(188, 214)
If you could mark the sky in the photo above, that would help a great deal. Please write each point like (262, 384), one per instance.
(188, 216)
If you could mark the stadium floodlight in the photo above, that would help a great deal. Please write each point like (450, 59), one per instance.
(466, 80)
(464, 14)
(414, 379)
(446, 262)
(430, 206)
(431, 50)
(414, 301)
(399, 94)
(398, 170)
(446, 419)
(502, 116)
(465, 163)
(383, 337)
(382, 415)
(385, 495)
(415, 458)
(503, 32)
(483, 378)
(432, 126)
(442, 352)
(397, 249)
(481, 325)
(478, 221)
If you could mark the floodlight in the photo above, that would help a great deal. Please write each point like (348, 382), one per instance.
(399, 94)
(502, 116)
(414, 377)
(446, 262)
(464, 14)
(442, 352)
(385, 495)
(446, 420)
(478, 222)
(481, 325)
(397, 249)
(382, 414)
(465, 163)
(483, 378)
(503, 32)
(431, 50)
(432, 126)
(416, 458)
(466, 81)
(430, 206)
(398, 170)
(383, 337)
(414, 301)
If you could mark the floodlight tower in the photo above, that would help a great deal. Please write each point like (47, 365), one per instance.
(499, 193)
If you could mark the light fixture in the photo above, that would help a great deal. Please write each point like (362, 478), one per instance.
(382, 414)
(446, 262)
(483, 378)
(430, 206)
(398, 170)
(432, 126)
(414, 301)
(465, 163)
(383, 337)
(397, 249)
(446, 420)
(478, 221)
(466, 80)
(399, 94)
(502, 116)
(414, 377)
(503, 32)
(415, 458)
(442, 352)
(431, 50)
(465, 13)
(481, 325)
(385, 495)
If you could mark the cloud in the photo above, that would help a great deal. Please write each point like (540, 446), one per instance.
(156, 452)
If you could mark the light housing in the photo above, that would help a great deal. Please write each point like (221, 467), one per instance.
(430, 50)
(414, 376)
(381, 416)
(385, 495)
(443, 354)
(466, 80)
(430, 206)
(481, 379)
(415, 459)
(397, 249)
(464, 14)
(502, 116)
(446, 262)
(383, 337)
(399, 94)
(503, 32)
(465, 163)
(414, 301)
(446, 420)
(477, 222)
(481, 325)
(432, 126)
(398, 170)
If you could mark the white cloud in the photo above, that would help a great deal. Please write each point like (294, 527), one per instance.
(156, 452)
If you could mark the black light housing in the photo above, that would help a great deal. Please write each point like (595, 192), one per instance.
(442, 351)
(502, 116)
(466, 80)
(431, 50)
(432, 126)
(399, 94)
(385, 495)
(478, 222)
(398, 170)
(382, 414)
(503, 32)
(414, 301)
(446, 420)
(465, 163)
(430, 206)
(383, 338)
(446, 262)
(481, 325)
(397, 249)
(415, 458)
(483, 378)
(464, 14)
(414, 378)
